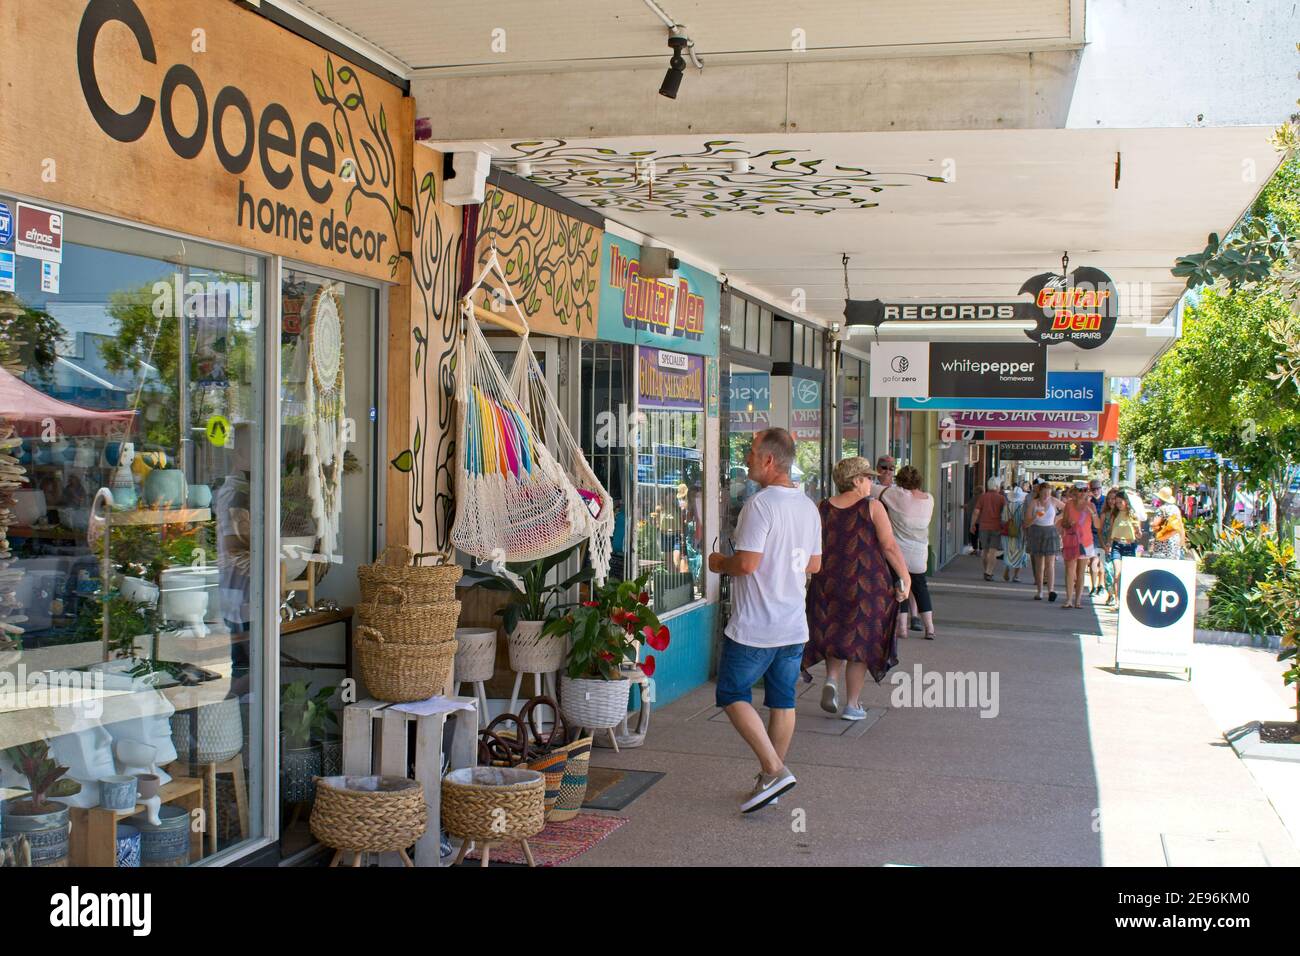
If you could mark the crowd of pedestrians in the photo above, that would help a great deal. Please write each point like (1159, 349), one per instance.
(840, 580)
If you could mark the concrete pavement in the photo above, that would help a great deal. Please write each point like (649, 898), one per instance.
(1080, 766)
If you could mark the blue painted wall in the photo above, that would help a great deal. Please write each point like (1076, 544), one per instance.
(685, 665)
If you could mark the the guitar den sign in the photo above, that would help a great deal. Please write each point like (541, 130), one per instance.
(1079, 307)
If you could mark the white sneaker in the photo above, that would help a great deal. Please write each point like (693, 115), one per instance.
(767, 788)
(853, 713)
(830, 698)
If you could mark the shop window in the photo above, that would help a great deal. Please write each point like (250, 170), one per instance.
(765, 333)
(737, 322)
(751, 326)
(796, 351)
(607, 427)
(328, 422)
(851, 437)
(806, 428)
(749, 404)
(131, 402)
(670, 476)
(900, 435)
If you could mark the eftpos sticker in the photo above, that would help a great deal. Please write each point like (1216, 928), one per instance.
(49, 277)
(7, 275)
(39, 233)
(6, 225)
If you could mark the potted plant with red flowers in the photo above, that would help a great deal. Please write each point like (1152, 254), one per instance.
(606, 629)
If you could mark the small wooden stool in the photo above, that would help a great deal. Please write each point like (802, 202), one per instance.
(208, 773)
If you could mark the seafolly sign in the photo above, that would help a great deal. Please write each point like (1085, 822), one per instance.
(958, 370)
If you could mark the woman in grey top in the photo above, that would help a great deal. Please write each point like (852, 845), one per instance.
(910, 511)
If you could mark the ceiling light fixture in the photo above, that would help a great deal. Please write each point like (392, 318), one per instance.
(676, 66)
(524, 169)
(740, 165)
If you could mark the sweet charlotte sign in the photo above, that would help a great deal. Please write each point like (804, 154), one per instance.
(1079, 307)
(206, 118)
(678, 313)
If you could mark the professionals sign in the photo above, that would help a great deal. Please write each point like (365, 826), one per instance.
(1066, 392)
(680, 313)
(958, 369)
(1156, 614)
(1045, 451)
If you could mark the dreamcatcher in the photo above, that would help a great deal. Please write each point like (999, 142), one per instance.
(325, 430)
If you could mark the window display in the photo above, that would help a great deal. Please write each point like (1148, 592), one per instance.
(806, 428)
(670, 476)
(130, 411)
(328, 422)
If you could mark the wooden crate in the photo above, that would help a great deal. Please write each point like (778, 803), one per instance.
(376, 740)
(93, 840)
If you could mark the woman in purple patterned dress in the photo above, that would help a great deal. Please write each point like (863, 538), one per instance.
(853, 601)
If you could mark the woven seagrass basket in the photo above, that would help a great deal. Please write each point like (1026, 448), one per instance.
(402, 621)
(493, 804)
(476, 653)
(398, 673)
(532, 652)
(370, 814)
(399, 566)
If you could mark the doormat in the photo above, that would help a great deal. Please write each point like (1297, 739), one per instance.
(558, 843)
(609, 788)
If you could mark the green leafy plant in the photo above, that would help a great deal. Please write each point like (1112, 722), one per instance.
(532, 598)
(44, 777)
(1280, 595)
(304, 718)
(607, 628)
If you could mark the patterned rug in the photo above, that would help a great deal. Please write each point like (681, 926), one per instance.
(557, 843)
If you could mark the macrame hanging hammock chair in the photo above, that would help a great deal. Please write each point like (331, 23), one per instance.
(524, 489)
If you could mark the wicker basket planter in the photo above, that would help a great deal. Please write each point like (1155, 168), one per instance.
(531, 652)
(401, 672)
(476, 653)
(369, 815)
(491, 804)
(435, 584)
(594, 704)
(402, 621)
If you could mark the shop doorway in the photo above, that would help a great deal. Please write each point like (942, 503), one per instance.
(329, 444)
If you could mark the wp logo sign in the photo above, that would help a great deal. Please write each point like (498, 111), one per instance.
(1157, 598)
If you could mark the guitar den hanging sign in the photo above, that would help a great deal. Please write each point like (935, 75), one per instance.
(1079, 307)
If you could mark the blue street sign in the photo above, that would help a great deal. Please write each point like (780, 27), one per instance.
(1190, 453)
(1066, 392)
(6, 225)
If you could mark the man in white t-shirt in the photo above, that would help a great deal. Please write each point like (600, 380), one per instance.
(778, 544)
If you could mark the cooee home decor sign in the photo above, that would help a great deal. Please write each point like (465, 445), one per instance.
(206, 118)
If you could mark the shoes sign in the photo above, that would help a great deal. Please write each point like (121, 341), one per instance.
(1080, 308)
(958, 370)
(1156, 614)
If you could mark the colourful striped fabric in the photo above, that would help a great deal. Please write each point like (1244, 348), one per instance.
(499, 439)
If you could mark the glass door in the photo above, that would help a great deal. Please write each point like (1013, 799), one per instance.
(328, 473)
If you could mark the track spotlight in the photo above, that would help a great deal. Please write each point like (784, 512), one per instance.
(676, 67)
(740, 166)
(523, 169)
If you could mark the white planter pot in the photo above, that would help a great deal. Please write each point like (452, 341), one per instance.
(533, 653)
(594, 704)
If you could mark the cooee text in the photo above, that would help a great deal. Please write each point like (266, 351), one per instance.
(273, 137)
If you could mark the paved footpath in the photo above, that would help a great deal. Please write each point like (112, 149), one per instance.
(1080, 766)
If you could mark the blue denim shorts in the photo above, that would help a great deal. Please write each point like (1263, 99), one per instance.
(741, 666)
